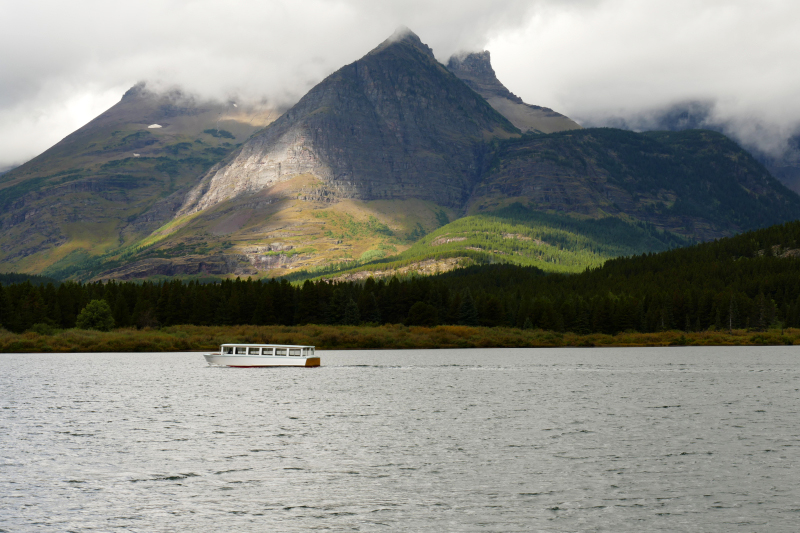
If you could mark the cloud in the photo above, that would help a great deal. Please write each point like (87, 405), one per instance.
(590, 59)
(29, 126)
(85, 50)
(623, 59)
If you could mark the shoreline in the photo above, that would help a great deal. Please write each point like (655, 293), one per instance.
(386, 337)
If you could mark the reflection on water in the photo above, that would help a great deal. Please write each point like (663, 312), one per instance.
(656, 439)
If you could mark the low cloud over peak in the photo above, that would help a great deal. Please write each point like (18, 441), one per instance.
(594, 60)
(627, 59)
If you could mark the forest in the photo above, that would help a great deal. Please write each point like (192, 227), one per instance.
(748, 281)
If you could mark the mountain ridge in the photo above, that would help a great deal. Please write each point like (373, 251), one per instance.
(382, 152)
(385, 102)
(116, 179)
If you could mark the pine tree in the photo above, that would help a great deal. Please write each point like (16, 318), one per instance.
(31, 308)
(352, 317)
(467, 312)
(5, 308)
(163, 305)
(122, 317)
(370, 311)
(493, 313)
(307, 306)
(761, 307)
(422, 314)
(144, 316)
(337, 306)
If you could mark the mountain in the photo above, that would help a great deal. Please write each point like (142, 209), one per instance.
(393, 163)
(396, 124)
(475, 69)
(786, 166)
(782, 164)
(378, 148)
(116, 179)
(570, 201)
(696, 183)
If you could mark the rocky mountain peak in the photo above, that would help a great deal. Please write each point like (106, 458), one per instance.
(395, 124)
(475, 69)
(137, 91)
(404, 37)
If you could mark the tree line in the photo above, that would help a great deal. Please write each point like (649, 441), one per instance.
(748, 281)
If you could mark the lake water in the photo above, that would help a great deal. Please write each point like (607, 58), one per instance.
(650, 439)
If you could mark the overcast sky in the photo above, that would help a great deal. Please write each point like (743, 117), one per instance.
(64, 62)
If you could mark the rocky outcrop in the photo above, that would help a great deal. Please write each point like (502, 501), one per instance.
(476, 71)
(429, 267)
(395, 124)
(263, 162)
(217, 265)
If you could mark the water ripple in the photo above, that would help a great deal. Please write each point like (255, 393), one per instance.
(683, 439)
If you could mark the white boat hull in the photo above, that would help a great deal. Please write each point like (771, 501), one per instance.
(250, 361)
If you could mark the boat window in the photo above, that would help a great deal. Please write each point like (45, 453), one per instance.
(227, 349)
(266, 351)
(280, 351)
(253, 351)
(312, 351)
(294, 351)
(241, 350)
(305, 352)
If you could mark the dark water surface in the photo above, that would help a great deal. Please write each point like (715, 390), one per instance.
(655, 439)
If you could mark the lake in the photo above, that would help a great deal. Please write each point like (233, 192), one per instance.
(631, 439)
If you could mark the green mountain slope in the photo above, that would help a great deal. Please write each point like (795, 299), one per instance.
(696, 183)
(513, 235)
(116, 179)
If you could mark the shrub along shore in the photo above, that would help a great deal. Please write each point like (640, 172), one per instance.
(386, 337)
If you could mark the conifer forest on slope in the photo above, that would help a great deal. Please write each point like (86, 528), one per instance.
(748, 281)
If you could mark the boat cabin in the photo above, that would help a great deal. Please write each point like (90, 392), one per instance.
(267, 350)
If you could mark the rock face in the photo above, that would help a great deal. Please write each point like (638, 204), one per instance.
(476, 71)
(697, 183)
(698, 114)
(394, 124)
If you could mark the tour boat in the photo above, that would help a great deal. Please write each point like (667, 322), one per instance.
(254, 355)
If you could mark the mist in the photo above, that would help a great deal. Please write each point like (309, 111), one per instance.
(597, 61)
(628, 61)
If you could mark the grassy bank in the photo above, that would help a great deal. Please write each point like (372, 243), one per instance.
(180, 338)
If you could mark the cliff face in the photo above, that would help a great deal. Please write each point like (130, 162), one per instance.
(476, 71)
(394, 124)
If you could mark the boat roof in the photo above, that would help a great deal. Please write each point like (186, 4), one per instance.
(253, 345)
